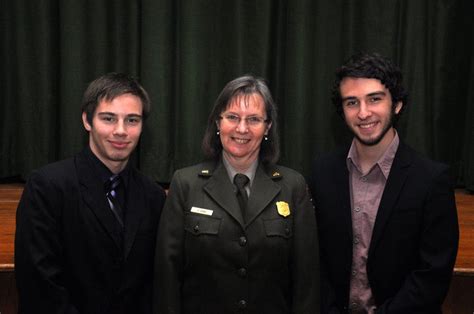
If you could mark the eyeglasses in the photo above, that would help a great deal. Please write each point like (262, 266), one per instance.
(252, 121)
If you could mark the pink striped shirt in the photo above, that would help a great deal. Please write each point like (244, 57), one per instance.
(366, 192)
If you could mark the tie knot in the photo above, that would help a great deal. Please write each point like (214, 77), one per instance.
(241, 180)
(112, 183)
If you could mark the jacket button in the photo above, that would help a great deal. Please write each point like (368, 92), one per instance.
(242, 304)
(242, 241)
(287, 231)
(242, 272)
(196, 228)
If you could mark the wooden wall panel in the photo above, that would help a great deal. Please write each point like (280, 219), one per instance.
(460, 299)
(8, 294)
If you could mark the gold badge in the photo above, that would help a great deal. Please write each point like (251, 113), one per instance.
(275, 174)
(283, 208)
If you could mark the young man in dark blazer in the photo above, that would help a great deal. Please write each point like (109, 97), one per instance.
(86, 226)
(386, 215)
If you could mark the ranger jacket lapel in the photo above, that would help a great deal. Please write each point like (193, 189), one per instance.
(262, 192)
(220, 188)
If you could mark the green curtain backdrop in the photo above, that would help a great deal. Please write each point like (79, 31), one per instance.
(185, 51)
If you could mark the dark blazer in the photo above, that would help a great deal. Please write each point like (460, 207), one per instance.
(415, 237)
(216, 263)
(68, 258)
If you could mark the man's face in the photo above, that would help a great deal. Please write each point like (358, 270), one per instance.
(368, 110)
(115, 130)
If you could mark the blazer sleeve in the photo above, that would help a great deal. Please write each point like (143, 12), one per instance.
(426, 287)
(327, 291)
(39, 267)
(305, 266)
(328, 294)
(169, 253)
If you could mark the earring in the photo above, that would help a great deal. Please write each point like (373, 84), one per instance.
(218, 132)
(265, 138)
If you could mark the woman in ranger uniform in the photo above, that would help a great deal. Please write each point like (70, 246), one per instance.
(238, 232)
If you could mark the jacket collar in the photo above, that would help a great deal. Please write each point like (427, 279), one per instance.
(93, 193)
(393, 187)
(220, 188)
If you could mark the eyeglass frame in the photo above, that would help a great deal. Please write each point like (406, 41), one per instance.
(257, 121)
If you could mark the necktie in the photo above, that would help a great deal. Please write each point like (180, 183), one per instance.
(111, 193)
(240, 181)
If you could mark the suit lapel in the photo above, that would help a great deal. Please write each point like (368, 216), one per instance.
(92, 191)
(393, 187)
(342, 194)
(220, 188)
(136, 205)
(263, 191)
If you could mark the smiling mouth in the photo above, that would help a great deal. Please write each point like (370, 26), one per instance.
(367, 125)
(119, 144)
(241, 140)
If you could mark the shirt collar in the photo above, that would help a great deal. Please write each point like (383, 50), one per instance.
(250, 173)
(385, 161)
(103, 172)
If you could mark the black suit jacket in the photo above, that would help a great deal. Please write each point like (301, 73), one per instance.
(217, 263)
(68, 254)
(415, 237)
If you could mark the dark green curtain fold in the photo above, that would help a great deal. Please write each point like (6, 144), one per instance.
(185, 51)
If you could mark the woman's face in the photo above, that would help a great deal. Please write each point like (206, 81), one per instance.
(242, 127)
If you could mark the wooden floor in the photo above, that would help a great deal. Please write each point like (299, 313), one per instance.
(460, 299)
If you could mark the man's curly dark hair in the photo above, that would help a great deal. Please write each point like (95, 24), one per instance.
(372, 66)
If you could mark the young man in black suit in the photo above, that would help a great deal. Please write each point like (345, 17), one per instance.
(86, 226)
(386, 215)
